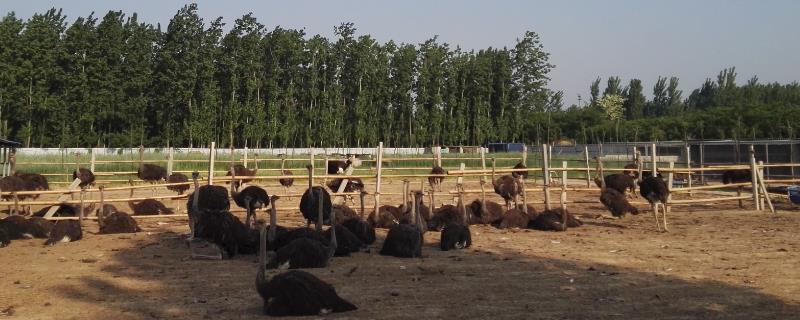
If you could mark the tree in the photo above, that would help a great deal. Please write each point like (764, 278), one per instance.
(594, 90)
(634, 100)
(612, 105)
(612, 86)
(10, 62)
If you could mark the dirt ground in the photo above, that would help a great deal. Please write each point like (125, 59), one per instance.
(718, 261)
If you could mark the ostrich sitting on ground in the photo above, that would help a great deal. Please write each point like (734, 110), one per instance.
(309, 202)
(655, 190)
(5, 233)
(151, 173)
(112, 221)
(293, 293)
(518, 217)
(405, 240)
(552, 220)
(178, 178)
(436, 182)
(85, 175)
(27, 228)
(304, 252)
(147, 207)
(507, 187)
(65, 231)
(363, 230)
(251, 198)
(455, 235)
(65, 210)
(386, 217)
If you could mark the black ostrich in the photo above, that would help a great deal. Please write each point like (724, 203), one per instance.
(736, 176)
(6, 229)
(339, 166)
(242, 171)
(631, 169)
(112, 221)
(343, 213)
(353, 185)
(618, 181)
(12, 184)
(616, 202)
(386, 217)
(66, 210)
(286, 182)
(486, 212)
(507, 187)
(436, 182)
(204, 222)
(293, 293)
(456, 235)
(309, 202)
(305, 252)
(513, 218)
(151, 173)
(446, 214)
(655, 190)
(178, 178)
(65, 231)
(553, 220)
(362, 229)
(405, 240)
(85, 175)
(517, 174)
(147, 207)
(32, 182)
(251, 198)
(27, 228)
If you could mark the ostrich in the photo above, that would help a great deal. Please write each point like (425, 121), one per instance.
(339, 166)
(112, 221)
(251, 198)
(65, 231)
(12, 184)
(486, 211)
(618, 181)
(448, 214)
(552, 220)
(506, 187)
(34, 227)
(309, 203)
(5, 233)
(286, 182)
(513, 218)
(363, 230)
(405, 240)
(631, 169)
(517, 174)
(456, 235)
(32, 182)
(178, 178)
(655, 190)
(616, 202)
(737, 176)
(85, 175)
(151, 173)
(213, 202)
(353, 185)
(436, 182)
(147, 207)
(293, 293)
(387, 217)
(242, 171)
(305, 252)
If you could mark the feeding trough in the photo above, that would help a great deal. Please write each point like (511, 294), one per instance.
(794, 194)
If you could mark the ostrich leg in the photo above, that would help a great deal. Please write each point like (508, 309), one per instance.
(654, 206)
(665, 217)
(247, 219)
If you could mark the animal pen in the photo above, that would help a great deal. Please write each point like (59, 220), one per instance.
(555, 172)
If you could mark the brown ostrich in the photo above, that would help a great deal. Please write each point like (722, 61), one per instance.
(85, 175)
(147, 207)
(436, 182)
(507, 187)
(286, 182)
(178, 178)
(12, 184)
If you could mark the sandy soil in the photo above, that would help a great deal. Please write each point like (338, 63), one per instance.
(718, 261)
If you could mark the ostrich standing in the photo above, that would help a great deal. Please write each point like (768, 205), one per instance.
(655, 190)
(506, 187)
(286, 182)
(242, 171)
(178, 178)
(517, 174)
(251, 198)
(213, 202)
(305, 252)
(85, 175)
(12, 184)
(293, 293)
(436, 182)
(32, 182)
(151, 173)
(309, 204)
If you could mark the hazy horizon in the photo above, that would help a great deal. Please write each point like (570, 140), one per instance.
(586, 39)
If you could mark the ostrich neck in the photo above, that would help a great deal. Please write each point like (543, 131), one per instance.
(362, 205)
(332, 249)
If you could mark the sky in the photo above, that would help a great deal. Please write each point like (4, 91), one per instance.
(642, 39)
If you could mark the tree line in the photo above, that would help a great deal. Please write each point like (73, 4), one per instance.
(116, 81)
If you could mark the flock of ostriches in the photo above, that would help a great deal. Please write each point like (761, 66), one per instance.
(297, 292)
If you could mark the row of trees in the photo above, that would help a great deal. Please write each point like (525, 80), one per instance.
(116, 81)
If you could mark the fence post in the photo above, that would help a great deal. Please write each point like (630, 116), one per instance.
(653, 159)
(92, 160)
(525, 155)
(211, 154)
(170, 160)
(762, 185)
(141, 155)
(564, 186)
(689, 166)
(670, 181)
(245, 157)
(311, 161)
(754, 178)
(483, 165)
(702, 164)
(379, 152)
(545, 164)
(586, 160)
(438, 156)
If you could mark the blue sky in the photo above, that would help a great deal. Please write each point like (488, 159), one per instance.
(692, 40)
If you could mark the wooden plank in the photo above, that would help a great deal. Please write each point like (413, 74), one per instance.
(63, 197)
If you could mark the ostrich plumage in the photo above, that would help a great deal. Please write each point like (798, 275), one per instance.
(456, 235)
(251, 198)
(356, 224)
(65, 231)
(514, 218)
(507, 187)
(353, 185)
(617, 203)
(655, 190)
(552, 220)
(33, 181)
(405, 240)
(178, 178)
(631, 169)
(242, 171)
(487, 212)
(736, 176)
(436, 182)
(304, 252)
(66, 210)
(85, 175)
(151, 173)
(112, 221)
(309, 204)
(517, 174)
(25, 228)
(618, 181)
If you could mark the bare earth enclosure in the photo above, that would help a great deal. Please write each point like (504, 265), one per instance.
(718, 261)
